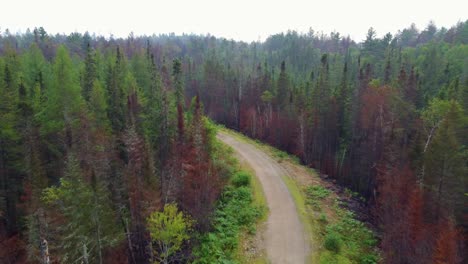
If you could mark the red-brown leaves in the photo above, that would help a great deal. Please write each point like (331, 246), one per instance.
(12, 250)
(196, 179)
(409, 236)
(445, 248)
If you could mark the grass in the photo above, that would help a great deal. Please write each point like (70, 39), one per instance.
(246, 238)
(334, 233)
(315, 195)
(238, 212)
(258, 194)
(234, 216)
(317, 192)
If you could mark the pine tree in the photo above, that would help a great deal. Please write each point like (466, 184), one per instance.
(89, 74)
(90, 225)
(282, 87)
(9, 150)
(64, 101)
(98, 103)
(178, 82)
(116, 94)
(444, 163)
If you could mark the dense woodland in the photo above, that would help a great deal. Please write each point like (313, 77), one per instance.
(96, 134)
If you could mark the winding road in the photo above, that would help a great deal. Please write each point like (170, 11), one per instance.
(285, 239)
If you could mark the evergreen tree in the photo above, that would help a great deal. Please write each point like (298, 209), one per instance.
(90, 225)
(178, 82)
(89, 74)
(64, 101)
(116, 93)
(282, 87)
(98, 103)
(444, 162)
(9, 150)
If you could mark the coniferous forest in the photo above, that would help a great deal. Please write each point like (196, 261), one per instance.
(105, 140)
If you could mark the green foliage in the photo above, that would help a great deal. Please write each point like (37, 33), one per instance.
(240, 179)
(329, 257)
(169, 229)
(332, 242)
(317, 192)
(445, 160)
(90, 220)
(282, 93)
(178, 82)
(436, 111)
(323, 218)
(90, 73)
(349, 241)
(98, 103)
(210, 133)
(116, 92)
(267, 96)
(35, 69)
(234, 212)
(64, 99)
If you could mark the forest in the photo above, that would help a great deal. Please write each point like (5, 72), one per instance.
(103, 140)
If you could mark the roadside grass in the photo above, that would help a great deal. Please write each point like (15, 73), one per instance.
(259, 198)
(246, 238)
(238, 213)
(343, 238)
(333, 231)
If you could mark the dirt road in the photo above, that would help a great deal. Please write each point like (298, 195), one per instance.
(285, 239)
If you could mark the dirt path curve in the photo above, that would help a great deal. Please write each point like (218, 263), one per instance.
(285, 240)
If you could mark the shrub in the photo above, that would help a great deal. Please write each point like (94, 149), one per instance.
(235, 212)
(170, 229)
(241, 178)
(332, 242)
(317, 192)
(331, 258)
(323, 218)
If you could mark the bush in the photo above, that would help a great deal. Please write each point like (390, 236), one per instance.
(169, 228)
(332, 242)
(328, 257)
(357, 242)
(234, 212)
(241, 178)
(323, 218)
(317, 192)
(369, 259)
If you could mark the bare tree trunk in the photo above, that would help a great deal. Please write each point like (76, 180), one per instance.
(98, 231)
(428, 141)
(45, 252)
(85, 254)
(302, 134)
(129, 241)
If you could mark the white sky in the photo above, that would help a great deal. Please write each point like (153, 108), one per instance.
(247, 20)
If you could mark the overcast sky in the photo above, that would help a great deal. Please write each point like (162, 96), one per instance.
(247, 20)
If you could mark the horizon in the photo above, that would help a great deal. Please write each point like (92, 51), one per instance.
(177, 34)
(239, 21)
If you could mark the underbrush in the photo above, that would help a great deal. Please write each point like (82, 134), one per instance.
(234, 213)
(344, 239)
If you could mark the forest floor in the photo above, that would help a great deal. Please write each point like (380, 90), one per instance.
(285, 238)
